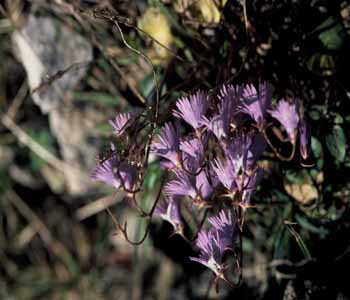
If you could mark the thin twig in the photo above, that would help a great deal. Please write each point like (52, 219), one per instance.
(299, 240)
(125, 21)
(279, 155)
(245, 16)
(123, 229)
(97, 206)
(57, 248)
(18, 100)
(148, 60)
(59, 74)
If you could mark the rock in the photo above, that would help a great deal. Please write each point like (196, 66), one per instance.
(73, 130)
(46, 47)
(55, 59)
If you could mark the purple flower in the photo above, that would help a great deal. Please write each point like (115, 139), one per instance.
(170, 211)
(210, 255)
(166, 164)
(287, 114)
(203, 186)
(244, 150)
(115, 173)
(222, 223)
(192, 154)
(226, 173)
(168, 144)
(237, 149)
(229, 97)
(304, 138)
(183, 185)
(192, 147)
(255, 103)
(220, 123)
(191, 186)
(192, 108)
(213, 243)
(122, 121)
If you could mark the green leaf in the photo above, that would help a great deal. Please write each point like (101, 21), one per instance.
(44, 138)
(104, 128)
(306, 223)
(317, 150)
(314, 115)
(338, 119)
(318, 111)
(297, 177)
(125, 61)
(147, 85)
(189, 55)
(336, 143)
(333, 35)
(281, 245)
(153, 177)
(98, 97)
(281, 196)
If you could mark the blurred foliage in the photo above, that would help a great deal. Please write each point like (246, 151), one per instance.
(45, 139)
(336, 143)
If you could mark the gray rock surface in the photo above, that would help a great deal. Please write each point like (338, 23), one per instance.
(55, 59)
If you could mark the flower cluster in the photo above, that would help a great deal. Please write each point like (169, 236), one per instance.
(228, 137)
(213, 162)
(219, 157)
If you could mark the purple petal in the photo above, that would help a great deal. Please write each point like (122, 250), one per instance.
(193, 147)
(192, 108)
(191, 186)
(287, 114)
(192, 154)
(210, 255)
(167, 164)
(114, 173)
(225, 227)
(203, 186)
(170, 211)
(168, 144)
(229, 97)
(182, 186)
(304, 138)
(236, 149)
(104, 172)
(122, 121)
(255, 103)
(220, 123)
(203, 242)
(225, 172)
(161, 208)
